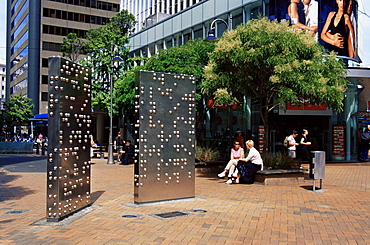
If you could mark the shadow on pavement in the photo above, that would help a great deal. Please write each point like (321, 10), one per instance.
(9, 159)
(8, 192)
(95, 195)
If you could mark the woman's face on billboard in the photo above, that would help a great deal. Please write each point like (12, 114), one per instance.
(340, 4)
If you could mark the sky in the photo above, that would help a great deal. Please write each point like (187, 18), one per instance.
(364, 13)
(2, 28)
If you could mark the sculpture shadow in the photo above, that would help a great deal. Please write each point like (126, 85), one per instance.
(95, 195)
(9, 192)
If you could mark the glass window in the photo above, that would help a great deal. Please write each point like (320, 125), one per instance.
(20, 42)
(19, 15)
(20, 28)
(44, 96)
(44, 79)
(187, 36)
(237, 18)
(198, 31)
(168, 42)
(45, 62)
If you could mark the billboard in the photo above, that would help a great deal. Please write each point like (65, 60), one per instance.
(332, 22)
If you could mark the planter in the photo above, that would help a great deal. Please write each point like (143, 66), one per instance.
(16, 147)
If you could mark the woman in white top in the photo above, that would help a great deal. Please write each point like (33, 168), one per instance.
(236, 153)
(248, 166)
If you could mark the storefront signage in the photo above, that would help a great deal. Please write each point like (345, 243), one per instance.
(212, 105)
(364, 115)
(261, 135)
(338, 141)
(305, 104)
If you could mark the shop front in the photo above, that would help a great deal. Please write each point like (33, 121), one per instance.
(329, 131)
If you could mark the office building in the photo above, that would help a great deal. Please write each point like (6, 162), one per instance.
(35, 30)
(2, 82)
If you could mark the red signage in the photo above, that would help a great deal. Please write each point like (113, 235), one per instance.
(338, 141)
(210, 103)
(305, 104)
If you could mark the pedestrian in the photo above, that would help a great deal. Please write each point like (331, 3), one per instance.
(239, 137)
(236, 153)
(292, 144)
(303, 153)
(118, 145)
(128, 152)
(249, 166)
(365, 138)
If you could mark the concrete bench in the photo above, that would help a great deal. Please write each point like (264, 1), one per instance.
(98, 151)
(280, 176)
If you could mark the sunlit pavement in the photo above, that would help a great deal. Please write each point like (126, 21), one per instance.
(220, 213)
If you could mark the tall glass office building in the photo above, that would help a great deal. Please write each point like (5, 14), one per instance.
(35, 30)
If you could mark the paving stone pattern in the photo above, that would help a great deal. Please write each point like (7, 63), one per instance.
(236, 214)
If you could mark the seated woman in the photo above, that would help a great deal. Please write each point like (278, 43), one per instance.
(248, 167)
(236, 153)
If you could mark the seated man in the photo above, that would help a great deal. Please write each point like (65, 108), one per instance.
(129, 151)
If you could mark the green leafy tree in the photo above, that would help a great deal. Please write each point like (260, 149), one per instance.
(274, 64)
(17, 110)
(72, 46)
(102, 45)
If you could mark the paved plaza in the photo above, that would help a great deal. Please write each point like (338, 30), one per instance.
(219, 214)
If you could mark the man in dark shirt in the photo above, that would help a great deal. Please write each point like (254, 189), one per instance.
(129, 152)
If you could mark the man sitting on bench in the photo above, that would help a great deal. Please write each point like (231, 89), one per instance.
(129, 152)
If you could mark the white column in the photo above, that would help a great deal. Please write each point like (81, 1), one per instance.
(168, 3)
(172, 6)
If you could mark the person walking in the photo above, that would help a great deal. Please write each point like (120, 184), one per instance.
(303, 153)
(292, 144)
(118, 145)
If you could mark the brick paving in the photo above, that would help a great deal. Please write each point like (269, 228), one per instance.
(236, 214)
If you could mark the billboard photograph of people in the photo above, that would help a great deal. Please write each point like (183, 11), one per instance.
(332, 22)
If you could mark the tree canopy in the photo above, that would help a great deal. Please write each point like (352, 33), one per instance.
(189, 59)
(274, 64)
(72, 46)
(17, 110)
(102, 45)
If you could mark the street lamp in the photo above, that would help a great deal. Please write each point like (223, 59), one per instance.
(114, 61)
(212, 33)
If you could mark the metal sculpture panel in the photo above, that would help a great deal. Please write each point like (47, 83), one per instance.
(165, 109)
(68, 167)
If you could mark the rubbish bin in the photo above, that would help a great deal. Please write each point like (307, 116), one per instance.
(317, 167)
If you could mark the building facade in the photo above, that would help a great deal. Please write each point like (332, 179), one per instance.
(35, 30)
(330, 132)
(2, 82)
(149, 12)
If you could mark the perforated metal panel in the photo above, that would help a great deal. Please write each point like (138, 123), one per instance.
(165, 107)
(68, 176)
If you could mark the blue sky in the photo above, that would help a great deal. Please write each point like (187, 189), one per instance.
(2, 28)
(366, 30)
